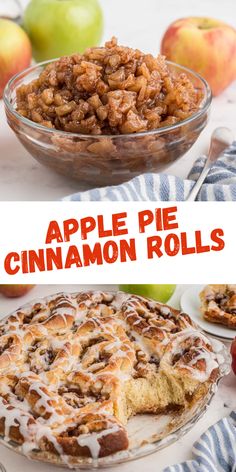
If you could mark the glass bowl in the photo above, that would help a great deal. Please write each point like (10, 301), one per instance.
(106, 159)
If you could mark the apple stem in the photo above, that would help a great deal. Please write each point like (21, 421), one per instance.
(205, 24)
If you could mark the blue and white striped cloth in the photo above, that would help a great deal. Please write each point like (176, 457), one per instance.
(220, 185)
(215, 451)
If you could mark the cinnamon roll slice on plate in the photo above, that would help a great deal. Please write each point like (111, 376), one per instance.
(213, 308)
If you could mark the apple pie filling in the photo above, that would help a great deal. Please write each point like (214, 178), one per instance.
(108, 90)
(218, 304)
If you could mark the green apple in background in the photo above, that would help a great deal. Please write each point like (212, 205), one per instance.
(14, 290)
(161, 293)
(62, 27)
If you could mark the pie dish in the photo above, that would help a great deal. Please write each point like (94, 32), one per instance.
(218, 304)
(75, 367)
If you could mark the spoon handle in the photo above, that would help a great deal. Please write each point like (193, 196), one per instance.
(221, 139)
(196, 188)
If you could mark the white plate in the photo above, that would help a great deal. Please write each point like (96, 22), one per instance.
(190, 303)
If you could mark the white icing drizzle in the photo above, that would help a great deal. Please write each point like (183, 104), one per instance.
(96, 348)
(15, 417)
(209, 357)
(91, 440)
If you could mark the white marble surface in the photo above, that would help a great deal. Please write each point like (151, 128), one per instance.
(137, 23)
(223, 402)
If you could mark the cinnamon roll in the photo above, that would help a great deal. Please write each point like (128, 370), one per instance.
(218, 304)
(75, 367)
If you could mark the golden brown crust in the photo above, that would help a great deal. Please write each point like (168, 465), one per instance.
(218, 304)
(74, 368)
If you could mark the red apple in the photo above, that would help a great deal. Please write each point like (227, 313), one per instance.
(233, 354)
(15, 51)
(205, 45)
(14, 291)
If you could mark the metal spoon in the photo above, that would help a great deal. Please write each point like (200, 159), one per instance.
(221, 139)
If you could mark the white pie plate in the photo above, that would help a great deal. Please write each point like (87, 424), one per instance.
(190, 303)
(147, 433)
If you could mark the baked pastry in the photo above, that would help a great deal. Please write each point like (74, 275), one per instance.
(218, 304)
(75, 367)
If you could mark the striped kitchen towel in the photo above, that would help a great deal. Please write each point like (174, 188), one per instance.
(220, 185)
(215, 451)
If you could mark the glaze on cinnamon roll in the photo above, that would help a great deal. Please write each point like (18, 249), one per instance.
(75, 367)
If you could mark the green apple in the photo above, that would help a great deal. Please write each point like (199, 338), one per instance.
(161, 293)
(62, 27)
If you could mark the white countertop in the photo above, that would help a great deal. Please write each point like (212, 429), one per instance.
(137, 23)
(223, 402)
